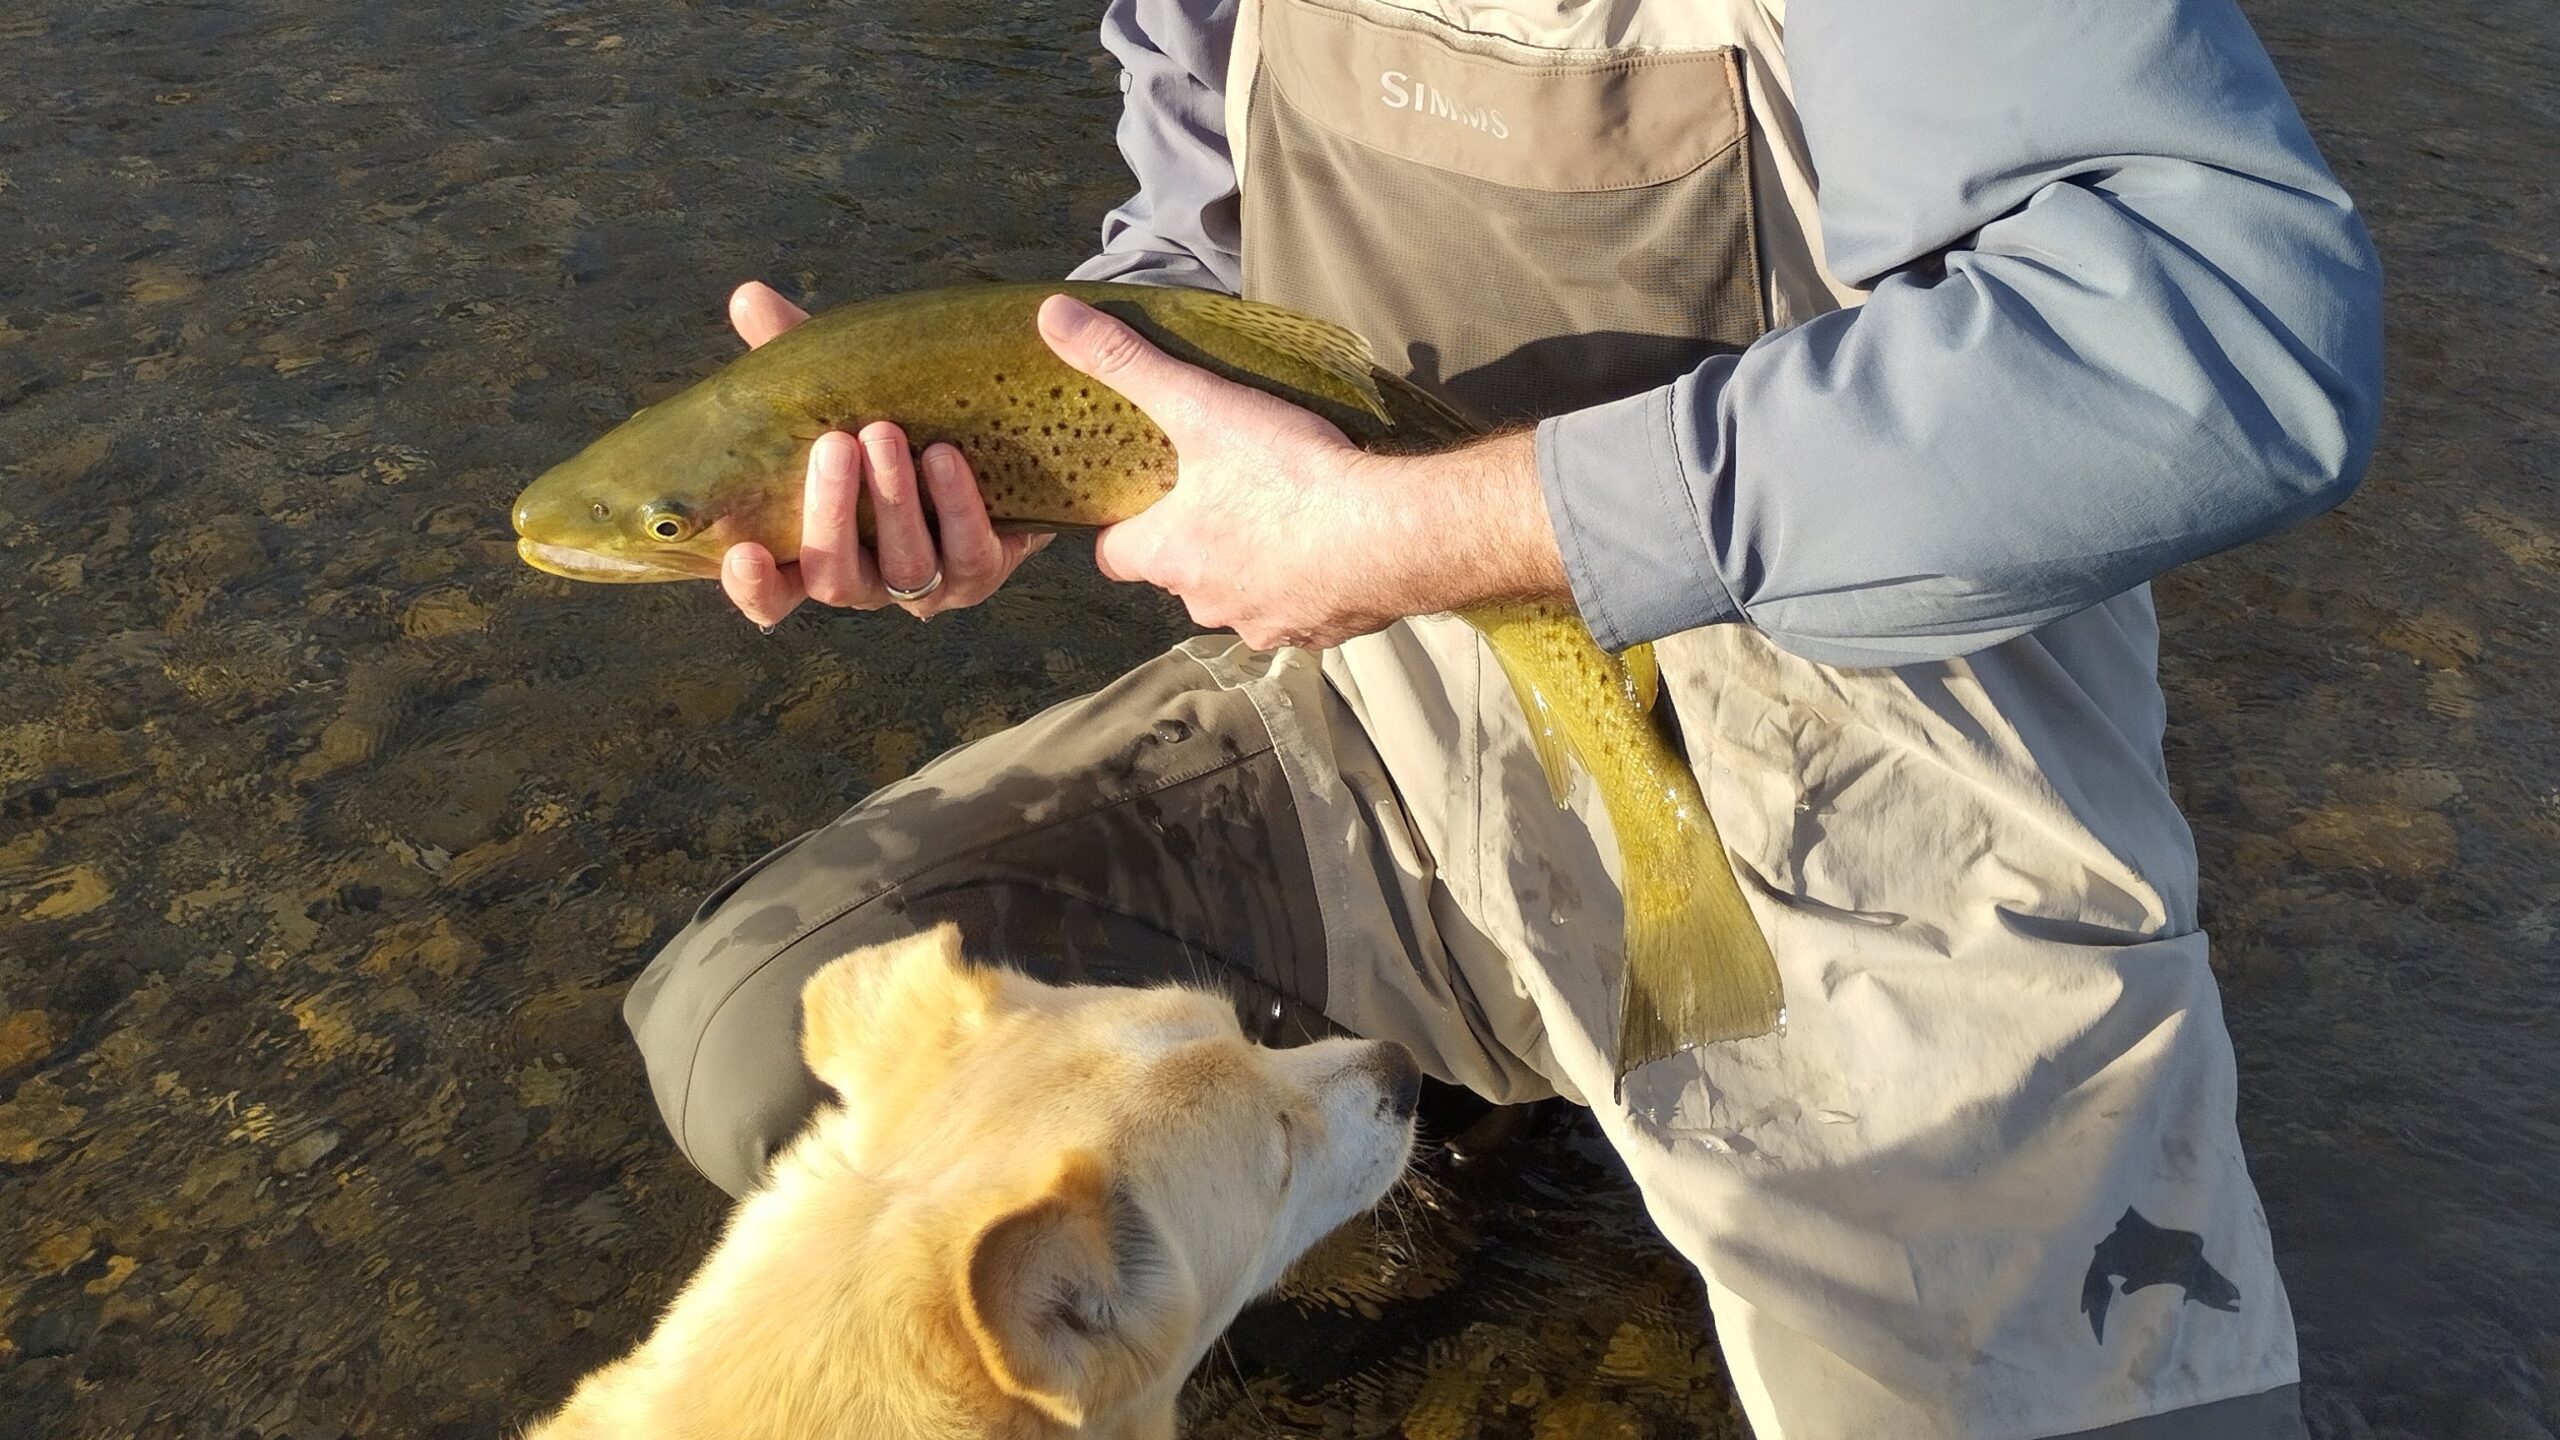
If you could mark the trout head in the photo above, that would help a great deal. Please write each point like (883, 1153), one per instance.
(664, 494)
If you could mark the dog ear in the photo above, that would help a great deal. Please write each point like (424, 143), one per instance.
(891, 1010)
(1068, 1297)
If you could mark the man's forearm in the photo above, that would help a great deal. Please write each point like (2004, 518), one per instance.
(2121, 316)
(1465, 526)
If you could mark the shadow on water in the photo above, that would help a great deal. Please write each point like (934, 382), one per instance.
(330, 836)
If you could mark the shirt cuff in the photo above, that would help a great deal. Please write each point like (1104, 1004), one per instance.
(1628, 522)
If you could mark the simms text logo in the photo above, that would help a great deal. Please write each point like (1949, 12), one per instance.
(1399, 91)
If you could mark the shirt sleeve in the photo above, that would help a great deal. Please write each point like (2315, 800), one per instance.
(1182, 227)
(2120, 316)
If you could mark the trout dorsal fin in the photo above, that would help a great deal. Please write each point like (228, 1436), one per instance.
(1340, 354)
(1423, 420)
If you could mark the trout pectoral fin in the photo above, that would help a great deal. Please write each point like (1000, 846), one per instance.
(1644, 677)
(1544, 733)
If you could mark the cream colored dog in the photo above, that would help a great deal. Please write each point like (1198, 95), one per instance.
(1029, 1215)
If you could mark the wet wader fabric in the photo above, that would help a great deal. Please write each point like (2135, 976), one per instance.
(1986, 1183)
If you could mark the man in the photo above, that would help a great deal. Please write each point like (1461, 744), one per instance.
(1882, 463)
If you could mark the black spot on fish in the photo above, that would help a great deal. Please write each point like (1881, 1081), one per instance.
(2142, 1254)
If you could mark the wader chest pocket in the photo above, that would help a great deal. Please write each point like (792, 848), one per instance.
(1566, 227)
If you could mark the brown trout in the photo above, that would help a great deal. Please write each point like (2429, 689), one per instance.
(664, 494)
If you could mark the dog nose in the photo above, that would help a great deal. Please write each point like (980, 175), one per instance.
(1399, 1077)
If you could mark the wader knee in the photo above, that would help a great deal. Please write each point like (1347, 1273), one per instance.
(1140, 835)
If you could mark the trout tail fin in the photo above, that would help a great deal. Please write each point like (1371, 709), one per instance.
(1698, 969)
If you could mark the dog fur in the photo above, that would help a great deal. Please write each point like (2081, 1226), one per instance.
(1029, 1214)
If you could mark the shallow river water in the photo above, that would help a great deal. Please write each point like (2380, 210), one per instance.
(330, 835)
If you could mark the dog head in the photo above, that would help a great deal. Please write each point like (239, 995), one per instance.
(1031, 1206)
(1159, 1170)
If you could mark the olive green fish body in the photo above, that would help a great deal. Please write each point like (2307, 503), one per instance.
(665, 494)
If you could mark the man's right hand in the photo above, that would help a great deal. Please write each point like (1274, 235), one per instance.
(834, 567)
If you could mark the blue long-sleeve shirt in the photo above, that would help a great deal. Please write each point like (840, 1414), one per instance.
(2120, 316)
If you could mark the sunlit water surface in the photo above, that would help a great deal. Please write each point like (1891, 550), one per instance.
(330, 835)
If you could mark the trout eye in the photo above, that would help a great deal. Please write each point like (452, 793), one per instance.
(664, 520)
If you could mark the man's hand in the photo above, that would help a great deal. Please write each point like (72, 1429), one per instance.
(834, 568)
(1282, 530)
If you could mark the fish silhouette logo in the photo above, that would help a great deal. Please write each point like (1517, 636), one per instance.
(2142, 1254)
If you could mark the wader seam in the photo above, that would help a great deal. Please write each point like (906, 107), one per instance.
(684, 1107)
(1737, 82)
(1280, 724)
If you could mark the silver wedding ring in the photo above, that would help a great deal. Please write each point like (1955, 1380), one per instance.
(918, 593)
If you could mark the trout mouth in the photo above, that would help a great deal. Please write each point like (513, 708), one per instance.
(575, 564)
